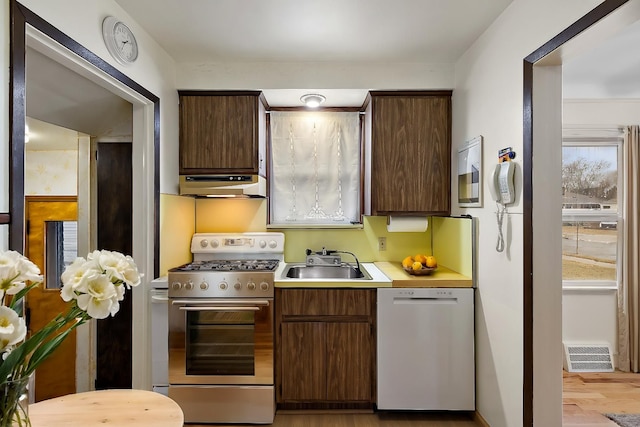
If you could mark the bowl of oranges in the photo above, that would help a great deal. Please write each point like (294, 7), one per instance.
(420, 265)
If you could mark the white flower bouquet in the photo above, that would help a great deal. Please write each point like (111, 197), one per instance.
(93, 288)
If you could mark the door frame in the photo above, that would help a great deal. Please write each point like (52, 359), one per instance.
(542, 77)
(27, 28)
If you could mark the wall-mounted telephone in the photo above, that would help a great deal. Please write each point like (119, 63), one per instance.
(501, 184)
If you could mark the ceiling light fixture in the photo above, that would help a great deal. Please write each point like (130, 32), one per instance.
(312, 100)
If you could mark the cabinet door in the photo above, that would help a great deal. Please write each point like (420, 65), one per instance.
(303, 361)
(240, 149)
(327, 302)
(349, 302)
(218, 134)
(411, 154)
(303, 302)
(349, 361)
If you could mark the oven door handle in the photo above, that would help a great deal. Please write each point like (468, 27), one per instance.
(223, 303)
(219, 308)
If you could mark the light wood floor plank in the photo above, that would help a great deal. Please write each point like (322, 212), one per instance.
(586, 396)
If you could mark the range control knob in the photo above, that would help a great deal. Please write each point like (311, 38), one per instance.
(223, 285)
(204, 243)
(176, 286)
(214, 243)
(204, 285)
(237, 286)
(263, 244)
(264, 286)
(251, 286)
(188, 286)
(273, 244)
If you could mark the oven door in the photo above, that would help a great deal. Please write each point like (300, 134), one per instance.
(221, 341)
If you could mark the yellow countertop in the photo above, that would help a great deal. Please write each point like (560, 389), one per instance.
(441, 278)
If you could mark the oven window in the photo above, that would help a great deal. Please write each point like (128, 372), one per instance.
(220, 343)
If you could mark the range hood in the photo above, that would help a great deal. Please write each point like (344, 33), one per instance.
(223, 185)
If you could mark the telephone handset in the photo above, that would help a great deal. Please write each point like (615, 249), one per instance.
(501, 185)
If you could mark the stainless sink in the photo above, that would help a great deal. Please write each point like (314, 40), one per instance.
(343, 271)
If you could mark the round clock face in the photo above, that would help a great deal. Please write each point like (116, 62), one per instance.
(119, 40)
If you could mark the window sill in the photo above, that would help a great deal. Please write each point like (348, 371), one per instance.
(589, 287)
(314, 226)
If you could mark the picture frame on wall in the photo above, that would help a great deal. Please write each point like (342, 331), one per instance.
(470, 173)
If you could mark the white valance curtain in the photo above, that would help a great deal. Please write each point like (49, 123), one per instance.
(315, 168)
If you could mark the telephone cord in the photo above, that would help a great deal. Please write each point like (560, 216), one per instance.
(500, 217)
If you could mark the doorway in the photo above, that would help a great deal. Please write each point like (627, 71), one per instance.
(542, 134)
(29, 29)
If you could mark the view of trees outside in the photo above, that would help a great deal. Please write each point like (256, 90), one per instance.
(590, 206)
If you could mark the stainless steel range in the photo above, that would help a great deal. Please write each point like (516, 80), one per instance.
(221, 328)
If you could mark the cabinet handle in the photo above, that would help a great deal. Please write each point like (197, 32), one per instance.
(425, 300)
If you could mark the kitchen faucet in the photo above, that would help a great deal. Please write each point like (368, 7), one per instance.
(326, 257)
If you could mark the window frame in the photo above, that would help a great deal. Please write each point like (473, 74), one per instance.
(353, 225)
(590, 215)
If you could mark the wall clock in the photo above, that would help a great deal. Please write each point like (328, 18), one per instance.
(119, 40)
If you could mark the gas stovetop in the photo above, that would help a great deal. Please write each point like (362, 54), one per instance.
(230, 265)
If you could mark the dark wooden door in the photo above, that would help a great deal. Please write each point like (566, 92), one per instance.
(114, 233)
(411, 153)
(218, 133)
(303, 362)
(349, 361)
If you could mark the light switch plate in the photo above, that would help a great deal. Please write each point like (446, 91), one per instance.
(382, 243)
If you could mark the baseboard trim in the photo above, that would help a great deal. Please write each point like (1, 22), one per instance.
(324, 411)
(480, 420)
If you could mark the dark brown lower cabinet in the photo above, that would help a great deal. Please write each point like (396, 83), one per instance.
(325, 351)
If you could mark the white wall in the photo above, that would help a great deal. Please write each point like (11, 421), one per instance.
(315, 75)
(487, 101)
(590, 317)
(600, 113)
(52, 172)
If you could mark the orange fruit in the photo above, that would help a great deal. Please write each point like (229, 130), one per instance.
(416, 266)
(431, 262)
(421, 259)
(407, 262)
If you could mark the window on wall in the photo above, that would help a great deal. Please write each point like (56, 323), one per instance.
(591, 212)
(315, 174)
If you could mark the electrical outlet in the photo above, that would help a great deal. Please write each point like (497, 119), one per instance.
(382, 243)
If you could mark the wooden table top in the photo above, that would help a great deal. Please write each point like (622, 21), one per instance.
(139, 408)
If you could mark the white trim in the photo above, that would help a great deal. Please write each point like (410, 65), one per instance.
(143, 185)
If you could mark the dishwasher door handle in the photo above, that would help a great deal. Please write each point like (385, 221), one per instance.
(425, 300)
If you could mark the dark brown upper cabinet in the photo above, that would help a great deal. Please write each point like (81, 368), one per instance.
(222, 132)
(408, 136)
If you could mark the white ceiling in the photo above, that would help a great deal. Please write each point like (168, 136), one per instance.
(344, 31)
(327, 30)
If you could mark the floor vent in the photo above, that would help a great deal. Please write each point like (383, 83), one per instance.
(588, 358)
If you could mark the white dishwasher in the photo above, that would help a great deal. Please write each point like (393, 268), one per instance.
(426, 349)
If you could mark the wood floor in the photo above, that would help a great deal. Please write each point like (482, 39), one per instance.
(379, 419)
(585, 398)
